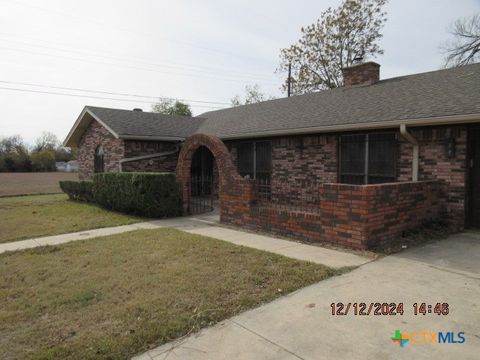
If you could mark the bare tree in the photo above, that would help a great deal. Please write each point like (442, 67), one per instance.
(464, 48)
(12, 144)
(46, 141)
(338, 37)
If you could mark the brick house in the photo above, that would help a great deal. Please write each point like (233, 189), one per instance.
(355, 166)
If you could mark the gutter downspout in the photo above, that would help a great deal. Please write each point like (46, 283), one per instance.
(414, 142)
(149, 156)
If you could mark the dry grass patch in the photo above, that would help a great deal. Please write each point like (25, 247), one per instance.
(113, 297)
(33, 183)
(26, 217)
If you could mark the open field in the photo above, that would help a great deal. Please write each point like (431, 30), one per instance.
(117, 296)
(24, 217)
(33, 183)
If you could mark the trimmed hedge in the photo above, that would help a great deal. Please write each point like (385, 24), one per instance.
(147, 194)
(78, 190)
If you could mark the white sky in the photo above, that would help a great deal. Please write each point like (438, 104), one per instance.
(198, 50)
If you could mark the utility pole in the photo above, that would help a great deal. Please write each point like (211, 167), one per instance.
(289, 79)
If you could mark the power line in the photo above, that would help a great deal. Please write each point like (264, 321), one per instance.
(111, 93)
(187, 67)
(120, 65)
(91, 96)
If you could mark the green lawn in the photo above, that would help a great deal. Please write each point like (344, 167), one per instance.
(26, 217)
(116, 296)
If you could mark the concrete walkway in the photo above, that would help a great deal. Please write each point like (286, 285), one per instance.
(300, 325)
(207, 225)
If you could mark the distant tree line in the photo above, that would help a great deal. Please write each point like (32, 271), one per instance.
(17, 156)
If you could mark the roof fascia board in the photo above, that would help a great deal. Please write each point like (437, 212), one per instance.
(74, 127)
(79, 120)
(153, 138)
(443, 120)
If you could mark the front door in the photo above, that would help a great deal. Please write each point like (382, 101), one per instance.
(473, 162)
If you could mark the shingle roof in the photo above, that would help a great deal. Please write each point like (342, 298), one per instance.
(440, 93)
(139, 123)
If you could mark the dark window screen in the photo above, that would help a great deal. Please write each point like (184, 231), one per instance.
(245, 159)
(263, 160)
(368, 158)
(255, 159)
(381, 158)
(99, 166)
(352, 159)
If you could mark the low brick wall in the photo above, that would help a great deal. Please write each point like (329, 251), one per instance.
(367, 215)
(354, 216)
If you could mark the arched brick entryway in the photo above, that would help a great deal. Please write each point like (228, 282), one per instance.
(235, 193)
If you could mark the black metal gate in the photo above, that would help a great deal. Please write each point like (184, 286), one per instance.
(201, 182)
(201, 199)
(473, 161)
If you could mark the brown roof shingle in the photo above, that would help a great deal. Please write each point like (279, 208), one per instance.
(432, 94)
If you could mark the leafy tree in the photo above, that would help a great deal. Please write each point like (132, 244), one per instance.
(65, 154)
(253, 95)
(7, 164)
(464, 48)
(43, 160)
(14, 154)
(333, 42)
(172, 107)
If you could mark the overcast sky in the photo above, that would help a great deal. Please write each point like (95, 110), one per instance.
(204, 51)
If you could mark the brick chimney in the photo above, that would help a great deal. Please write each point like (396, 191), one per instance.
(361, 74)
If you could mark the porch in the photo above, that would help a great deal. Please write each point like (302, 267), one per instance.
(354, 216)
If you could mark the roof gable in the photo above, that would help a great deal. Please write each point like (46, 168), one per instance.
(128, 124)
(81, 125)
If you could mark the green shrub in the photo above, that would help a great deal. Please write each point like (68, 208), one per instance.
(147, 194)
(78, 190)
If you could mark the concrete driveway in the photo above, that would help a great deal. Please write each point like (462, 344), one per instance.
(300, 325)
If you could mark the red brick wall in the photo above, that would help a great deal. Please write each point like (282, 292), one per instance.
(435, 165)
(363, 217)
(309, 157)
(117, 149)
(96, 135)
(354, 216)
(373, 214)
(140, 148)
(299, 164)
(362, 74)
